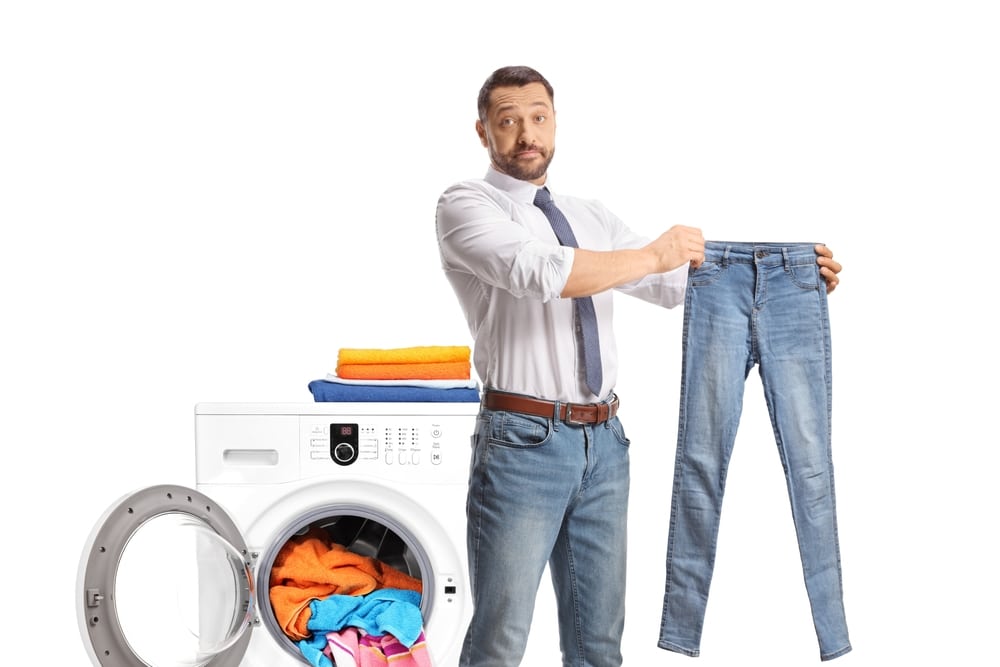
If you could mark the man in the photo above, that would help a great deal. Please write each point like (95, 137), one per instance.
(549, 477)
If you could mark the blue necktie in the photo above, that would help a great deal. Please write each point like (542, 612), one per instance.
(586, 318)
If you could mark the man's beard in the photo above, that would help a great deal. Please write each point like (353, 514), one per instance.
(512, 167)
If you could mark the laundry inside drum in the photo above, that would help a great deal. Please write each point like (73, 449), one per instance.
(338, 560)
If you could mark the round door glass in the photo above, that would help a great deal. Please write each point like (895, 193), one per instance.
(180, 592)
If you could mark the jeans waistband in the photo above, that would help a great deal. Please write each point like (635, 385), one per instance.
(724, 252)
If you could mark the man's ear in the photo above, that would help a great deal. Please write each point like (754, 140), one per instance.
(481, 131)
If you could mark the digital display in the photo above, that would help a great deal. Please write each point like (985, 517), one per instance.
(346, 430)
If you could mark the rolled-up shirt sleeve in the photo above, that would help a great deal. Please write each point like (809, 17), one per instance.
(478, 236)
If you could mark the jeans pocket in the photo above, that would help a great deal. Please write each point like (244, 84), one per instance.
(706, 274)
(616, 427)
(516, 430)
(805, 275)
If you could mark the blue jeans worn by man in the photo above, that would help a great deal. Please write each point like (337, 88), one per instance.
(544, 489)
(754, 304)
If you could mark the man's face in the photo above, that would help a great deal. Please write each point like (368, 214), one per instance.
(520, 131)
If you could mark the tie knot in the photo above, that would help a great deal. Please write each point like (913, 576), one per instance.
(542, 197)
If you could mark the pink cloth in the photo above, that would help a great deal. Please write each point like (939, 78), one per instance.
(342, 647)
(352, 648)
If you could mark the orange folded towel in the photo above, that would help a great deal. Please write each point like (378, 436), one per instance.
(311, 568)
(425, 354)
(449, 370)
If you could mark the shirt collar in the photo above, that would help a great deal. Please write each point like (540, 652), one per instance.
(522, 191)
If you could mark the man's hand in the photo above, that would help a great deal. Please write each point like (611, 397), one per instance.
(677, 246)
(828, 268)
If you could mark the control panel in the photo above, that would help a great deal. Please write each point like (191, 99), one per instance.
(276, 443)
(390, 442)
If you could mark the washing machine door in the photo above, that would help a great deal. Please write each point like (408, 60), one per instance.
(165, 581)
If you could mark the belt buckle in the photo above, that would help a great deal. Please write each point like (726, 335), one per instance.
(569, 416)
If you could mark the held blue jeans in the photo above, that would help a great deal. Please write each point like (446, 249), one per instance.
(546, 491)
(754, 304)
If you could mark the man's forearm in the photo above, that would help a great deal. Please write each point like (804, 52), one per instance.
(596, 271)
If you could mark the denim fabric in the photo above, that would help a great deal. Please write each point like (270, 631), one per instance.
(546, 491)
(765, 305)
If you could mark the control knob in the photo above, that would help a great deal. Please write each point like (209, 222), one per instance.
(344, 443)
(345, 453)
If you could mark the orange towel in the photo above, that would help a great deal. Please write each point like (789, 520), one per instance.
(310, 568)
(427, 354)
(449, 370)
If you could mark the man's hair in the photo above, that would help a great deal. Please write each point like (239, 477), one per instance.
(516, 75)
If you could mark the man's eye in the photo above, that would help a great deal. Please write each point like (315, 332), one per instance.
(506, 122)
(540, 119)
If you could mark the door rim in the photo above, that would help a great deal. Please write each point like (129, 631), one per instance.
(98, 618)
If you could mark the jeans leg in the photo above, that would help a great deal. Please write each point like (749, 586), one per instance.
(716, 359)
(589, 559)
(795, 369)
(524, 475)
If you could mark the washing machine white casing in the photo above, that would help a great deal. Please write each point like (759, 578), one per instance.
(270, 470)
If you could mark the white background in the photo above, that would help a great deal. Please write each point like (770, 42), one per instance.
(204, 201)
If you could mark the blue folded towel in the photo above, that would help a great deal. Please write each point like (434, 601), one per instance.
(327, 391)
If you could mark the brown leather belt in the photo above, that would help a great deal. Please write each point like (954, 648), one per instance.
(573, 413)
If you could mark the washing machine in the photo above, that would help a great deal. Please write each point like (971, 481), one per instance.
(173, 575)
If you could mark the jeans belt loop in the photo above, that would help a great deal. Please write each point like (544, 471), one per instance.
(784, 258)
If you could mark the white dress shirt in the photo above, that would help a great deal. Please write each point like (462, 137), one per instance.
(508, 269)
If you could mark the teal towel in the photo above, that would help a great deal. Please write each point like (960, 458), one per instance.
(385, 611)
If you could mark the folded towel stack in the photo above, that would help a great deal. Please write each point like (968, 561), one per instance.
(433, 373)
(434, 362)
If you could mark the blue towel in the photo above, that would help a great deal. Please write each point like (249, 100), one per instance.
(327, 391)
(312, 650)
(385, 611)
